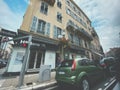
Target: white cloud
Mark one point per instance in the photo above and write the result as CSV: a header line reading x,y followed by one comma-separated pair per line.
x,y
8,19
105,15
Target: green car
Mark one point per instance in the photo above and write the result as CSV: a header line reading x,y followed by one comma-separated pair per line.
x,y
80,72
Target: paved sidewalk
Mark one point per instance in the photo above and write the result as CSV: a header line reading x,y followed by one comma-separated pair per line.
x,y
31,81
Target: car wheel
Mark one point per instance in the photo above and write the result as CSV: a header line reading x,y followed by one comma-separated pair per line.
x,y
84,85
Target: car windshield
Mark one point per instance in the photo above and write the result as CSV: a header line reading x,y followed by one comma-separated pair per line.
x,y
66,63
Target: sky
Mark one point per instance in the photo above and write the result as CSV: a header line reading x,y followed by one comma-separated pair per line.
x,y
104,15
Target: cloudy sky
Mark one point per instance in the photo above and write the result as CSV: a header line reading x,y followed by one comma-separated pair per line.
x,y
105,17
104,14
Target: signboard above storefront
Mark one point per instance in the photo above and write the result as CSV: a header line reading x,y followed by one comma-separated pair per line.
x,y
8,33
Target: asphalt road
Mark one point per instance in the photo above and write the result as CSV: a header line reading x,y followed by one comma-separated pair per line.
x,y
99,85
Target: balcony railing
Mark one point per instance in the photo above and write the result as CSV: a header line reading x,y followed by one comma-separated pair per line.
x,y
74,27
50,2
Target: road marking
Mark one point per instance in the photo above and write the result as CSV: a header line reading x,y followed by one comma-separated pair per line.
x,y
106,88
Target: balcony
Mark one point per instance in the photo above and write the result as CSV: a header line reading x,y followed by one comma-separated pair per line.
x,y
70,25
94,34
73,27
50,2
85,34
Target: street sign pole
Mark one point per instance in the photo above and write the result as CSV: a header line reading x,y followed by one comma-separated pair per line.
x,y
22,73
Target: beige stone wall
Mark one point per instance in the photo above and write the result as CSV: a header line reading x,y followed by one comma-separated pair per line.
x,y
51,17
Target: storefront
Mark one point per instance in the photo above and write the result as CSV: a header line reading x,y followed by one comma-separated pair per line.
x,y
74,51
38,51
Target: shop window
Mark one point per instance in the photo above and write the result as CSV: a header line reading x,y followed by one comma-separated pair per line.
x,y
44,8
35,59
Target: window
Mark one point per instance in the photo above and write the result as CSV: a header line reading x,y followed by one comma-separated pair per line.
x,y
67,63
76,40
86,44
68,11
41,26
71,37
59,4
57,31
74,8
35,59
79,13
44,8
59,17
68,3
47,31
80,41
34,22
84,62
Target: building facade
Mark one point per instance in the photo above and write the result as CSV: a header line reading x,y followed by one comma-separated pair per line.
x,y
61,29
5,46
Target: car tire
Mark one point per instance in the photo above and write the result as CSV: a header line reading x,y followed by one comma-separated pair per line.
x,y
84,84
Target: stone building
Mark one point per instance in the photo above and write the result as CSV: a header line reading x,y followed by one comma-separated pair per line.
x,y
61,29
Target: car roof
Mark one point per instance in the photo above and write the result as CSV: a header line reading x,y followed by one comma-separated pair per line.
x,y
108,58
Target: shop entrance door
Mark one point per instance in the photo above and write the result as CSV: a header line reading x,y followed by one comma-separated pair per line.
x,y
35,59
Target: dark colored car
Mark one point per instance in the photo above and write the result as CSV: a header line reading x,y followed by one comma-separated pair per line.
x,y
3,63
80,72
108,63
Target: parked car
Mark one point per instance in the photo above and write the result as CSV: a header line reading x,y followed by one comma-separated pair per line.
x,y
108,63
80,72
3,63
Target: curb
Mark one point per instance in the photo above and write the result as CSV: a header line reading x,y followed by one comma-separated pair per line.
x,y
40,86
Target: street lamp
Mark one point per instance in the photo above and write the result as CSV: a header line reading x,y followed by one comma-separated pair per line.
x,y
63,43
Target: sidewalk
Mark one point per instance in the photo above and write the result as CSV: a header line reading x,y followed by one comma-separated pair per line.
x,y
31,81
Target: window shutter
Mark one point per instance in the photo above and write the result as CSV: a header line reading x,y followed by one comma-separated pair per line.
x,y
47,30
34,23
55,32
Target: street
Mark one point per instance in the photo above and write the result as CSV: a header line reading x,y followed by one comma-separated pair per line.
x,y
99,85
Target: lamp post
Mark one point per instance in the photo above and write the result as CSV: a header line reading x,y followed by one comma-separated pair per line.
x,y
62,45
63,42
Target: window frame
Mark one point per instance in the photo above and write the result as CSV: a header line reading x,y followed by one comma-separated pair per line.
x,y
59,17
44,8
42,25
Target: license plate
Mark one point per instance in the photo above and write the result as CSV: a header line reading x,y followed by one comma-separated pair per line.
x,y
61,72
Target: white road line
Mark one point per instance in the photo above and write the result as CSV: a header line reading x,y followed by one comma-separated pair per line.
x,y
110,84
